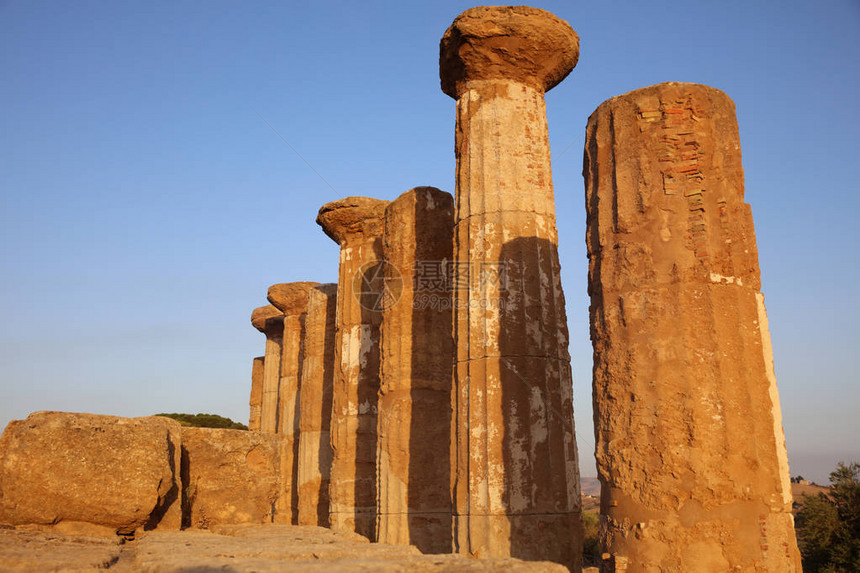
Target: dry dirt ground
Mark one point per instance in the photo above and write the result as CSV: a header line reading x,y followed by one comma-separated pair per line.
x,y
233,549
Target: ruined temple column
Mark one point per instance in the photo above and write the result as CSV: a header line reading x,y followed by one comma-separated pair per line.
x,y
417,354
516,480
292,300
314,459
355,223
690,448
256,397
270,321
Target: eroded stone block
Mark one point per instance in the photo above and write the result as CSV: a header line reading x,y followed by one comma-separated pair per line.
x,y
121,473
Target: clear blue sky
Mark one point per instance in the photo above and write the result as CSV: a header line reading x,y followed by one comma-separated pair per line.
x,y
145,207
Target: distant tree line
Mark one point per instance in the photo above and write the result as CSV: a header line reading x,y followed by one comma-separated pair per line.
x,y
205,421
828,525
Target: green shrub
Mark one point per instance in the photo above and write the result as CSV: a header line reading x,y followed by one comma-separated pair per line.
x,y
205,421
590,546
828,525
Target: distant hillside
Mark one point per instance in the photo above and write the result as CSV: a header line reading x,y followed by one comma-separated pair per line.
x,y
590,486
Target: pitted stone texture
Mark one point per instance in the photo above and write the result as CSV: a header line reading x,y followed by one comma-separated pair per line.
x,y
290,298
270,321
417,349
511,43
690,449
315,453
229,476
121,473
273,548
237,549
256,399
356,223
515,462
50,552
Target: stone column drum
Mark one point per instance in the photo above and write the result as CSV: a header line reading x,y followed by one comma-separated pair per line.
x,y
270,321
292,300
516,479
355,223
256,394
690,448
417,355
315,453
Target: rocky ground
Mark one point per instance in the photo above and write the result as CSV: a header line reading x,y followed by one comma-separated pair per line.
x,y
232,549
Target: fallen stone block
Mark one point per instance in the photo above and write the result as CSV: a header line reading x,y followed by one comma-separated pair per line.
x,y
121,473
229,476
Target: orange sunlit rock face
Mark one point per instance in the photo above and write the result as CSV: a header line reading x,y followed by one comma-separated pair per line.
x,y
690,448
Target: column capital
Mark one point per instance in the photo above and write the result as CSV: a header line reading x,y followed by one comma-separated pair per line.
x,y
290,298
352,217
267,319
513,43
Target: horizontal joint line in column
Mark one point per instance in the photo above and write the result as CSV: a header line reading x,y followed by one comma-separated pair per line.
x,y
503,356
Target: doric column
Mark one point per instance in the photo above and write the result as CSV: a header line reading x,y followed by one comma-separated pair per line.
x,y
314,461
516,476
292,300
270,321
690,449
417,355
256,394
355,223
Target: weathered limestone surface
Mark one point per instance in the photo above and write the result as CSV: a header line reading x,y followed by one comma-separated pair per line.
x,y
237,549
516,480
256,398
229,476
356,224
690,448
270,321
292,300
417,355
120,473
315,453
48,552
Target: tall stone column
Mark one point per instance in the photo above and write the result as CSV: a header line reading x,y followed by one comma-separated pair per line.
x,y
256,397
417,355
270,321
690,448
292,300
355,223
315,453
516,479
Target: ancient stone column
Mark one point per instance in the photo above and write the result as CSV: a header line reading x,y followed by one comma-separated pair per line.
x,y
256,394
315,454
270,321
355,223
292,300
690,448
516,479
417,355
